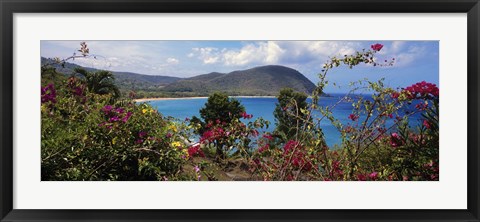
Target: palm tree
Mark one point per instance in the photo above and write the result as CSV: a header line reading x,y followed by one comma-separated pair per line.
x,y
99,82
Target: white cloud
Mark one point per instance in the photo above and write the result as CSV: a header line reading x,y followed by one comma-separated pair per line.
x,y
316,51
262,53
173,61
397,46
208,55
132,56
404,54
210,60
274,52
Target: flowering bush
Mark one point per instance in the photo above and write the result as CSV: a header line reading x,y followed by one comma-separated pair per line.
x,y
86,137
221,127
380,142
49,93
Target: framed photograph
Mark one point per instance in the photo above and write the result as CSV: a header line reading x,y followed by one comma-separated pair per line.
x,y
247,111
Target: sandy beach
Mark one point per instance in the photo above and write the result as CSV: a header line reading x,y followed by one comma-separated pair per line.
x,y
204,97
155,99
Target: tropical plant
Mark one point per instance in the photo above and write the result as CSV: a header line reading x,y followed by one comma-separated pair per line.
x,y
290,102
220,107
100,82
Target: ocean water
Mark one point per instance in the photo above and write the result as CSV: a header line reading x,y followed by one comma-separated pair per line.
x,y
261,107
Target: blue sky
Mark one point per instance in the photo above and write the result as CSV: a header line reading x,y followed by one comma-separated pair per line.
x,y
414,60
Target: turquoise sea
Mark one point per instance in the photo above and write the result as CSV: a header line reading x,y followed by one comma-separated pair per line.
x,y
259,107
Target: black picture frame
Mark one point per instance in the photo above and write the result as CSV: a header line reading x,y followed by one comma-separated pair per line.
x,y
9,7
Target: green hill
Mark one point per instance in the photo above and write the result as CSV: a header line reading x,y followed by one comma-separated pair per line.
x,y
125,80
258,81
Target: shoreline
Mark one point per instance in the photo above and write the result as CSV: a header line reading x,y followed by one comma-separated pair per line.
x,y
199,97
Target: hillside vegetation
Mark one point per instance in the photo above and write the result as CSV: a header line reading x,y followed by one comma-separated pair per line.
x,y
258,81
126,81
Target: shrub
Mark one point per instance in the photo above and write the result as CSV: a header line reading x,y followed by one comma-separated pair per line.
x,y
290,112
86,137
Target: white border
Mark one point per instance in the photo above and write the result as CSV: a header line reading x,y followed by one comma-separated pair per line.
x,y
449,193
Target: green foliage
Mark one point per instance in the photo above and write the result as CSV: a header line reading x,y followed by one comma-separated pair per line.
x,y
87,137
258,81
290,112
100,82
220,107
222,130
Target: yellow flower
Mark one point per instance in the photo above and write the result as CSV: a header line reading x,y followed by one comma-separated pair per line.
x,y
185,152
173,128
144,111
176,144
114,140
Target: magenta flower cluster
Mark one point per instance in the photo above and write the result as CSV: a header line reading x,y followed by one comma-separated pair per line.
x,y
422,90
353,117
298,155
49,94
195,151
77,88
141,137
376,47
365,177
246,116
396,140
114,115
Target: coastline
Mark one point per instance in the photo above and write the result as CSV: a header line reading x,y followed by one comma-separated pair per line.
x,y
199,97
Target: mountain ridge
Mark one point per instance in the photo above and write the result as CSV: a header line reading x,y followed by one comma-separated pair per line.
x,y
262,80
265,80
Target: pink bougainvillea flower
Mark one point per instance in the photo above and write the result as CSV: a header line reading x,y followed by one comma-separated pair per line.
x,y
361,177
422,90
395,95
49,93
263,148
421,106
395,140
106,109
246,116
195,151
426,124
290,145
376,47
254,133
142,134
373,175
119,110
353,117
268,136
126,117
114,119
